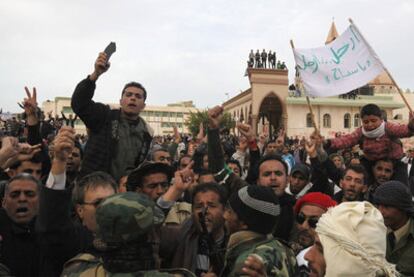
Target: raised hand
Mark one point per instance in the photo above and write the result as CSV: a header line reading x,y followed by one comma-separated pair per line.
x,y
64,143
214,117
246,130
9,150
280,141
200,135
243,144
185,178
30,103
12,152
27,151
177,136
101,66
311,147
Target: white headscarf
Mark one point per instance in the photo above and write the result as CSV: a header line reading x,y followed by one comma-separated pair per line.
x,y
353,236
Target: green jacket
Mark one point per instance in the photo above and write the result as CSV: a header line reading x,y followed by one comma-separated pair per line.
x,y
279,259
403,253
87,265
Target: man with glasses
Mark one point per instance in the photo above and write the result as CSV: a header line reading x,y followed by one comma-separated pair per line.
x,y
61,237
308,210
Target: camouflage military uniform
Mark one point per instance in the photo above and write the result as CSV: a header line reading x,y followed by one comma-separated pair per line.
x,y
278,259
86,265
122,220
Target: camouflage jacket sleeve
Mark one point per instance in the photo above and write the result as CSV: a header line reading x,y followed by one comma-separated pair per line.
x,y
279,260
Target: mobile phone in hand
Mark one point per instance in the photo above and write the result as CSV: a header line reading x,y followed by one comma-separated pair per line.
x,y
109,50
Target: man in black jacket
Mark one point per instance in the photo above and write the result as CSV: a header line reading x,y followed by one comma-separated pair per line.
x,y
118,139
20,250
60,238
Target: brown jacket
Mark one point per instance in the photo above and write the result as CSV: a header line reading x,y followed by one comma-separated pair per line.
x,y
179,247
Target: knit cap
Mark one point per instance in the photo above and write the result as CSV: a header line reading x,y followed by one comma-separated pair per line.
x,y
394,194
258,207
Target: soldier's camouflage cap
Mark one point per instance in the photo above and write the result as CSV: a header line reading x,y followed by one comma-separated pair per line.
x,y
125,217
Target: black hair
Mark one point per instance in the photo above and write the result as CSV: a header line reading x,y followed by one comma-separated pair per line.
x,y
203,172
358,169
270,157
78,145
214,187
37,158
137,176
182,157
137,85
371,109
386,160
237,163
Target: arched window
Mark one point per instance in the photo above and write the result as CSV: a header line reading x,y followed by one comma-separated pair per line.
x,y
309,121
347,121
357,120
327,120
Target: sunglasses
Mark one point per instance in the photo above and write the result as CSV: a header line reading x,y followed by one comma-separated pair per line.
x,y
312,221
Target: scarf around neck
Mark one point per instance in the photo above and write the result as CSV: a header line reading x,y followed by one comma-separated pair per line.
x,y
376,133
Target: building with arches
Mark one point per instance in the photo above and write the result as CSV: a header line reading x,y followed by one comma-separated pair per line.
x,y
270,103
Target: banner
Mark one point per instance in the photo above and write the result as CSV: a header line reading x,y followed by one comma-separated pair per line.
x,y
341,66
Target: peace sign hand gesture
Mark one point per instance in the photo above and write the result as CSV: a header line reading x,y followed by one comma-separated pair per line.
x,y
30,103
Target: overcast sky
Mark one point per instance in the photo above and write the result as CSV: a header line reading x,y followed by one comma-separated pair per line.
x,y
183,49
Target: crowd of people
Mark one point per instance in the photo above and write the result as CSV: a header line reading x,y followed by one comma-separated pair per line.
x,y
122,201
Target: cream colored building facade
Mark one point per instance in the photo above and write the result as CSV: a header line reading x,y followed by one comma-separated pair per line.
x,y
269,105
160,118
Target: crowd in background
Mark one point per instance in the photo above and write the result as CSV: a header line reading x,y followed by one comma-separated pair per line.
x,y
216,203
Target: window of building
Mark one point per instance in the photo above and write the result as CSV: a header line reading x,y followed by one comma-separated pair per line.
x,y
357,120
79,122
327,120
309,121
347,121
67,110
398,117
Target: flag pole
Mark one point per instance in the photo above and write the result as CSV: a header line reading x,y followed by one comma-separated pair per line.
x,y
386,70
307,100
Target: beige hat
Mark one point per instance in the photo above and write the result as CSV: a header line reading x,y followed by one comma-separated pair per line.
x,y
353,236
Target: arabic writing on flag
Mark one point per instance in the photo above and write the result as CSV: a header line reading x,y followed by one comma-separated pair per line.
x,y
343,65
